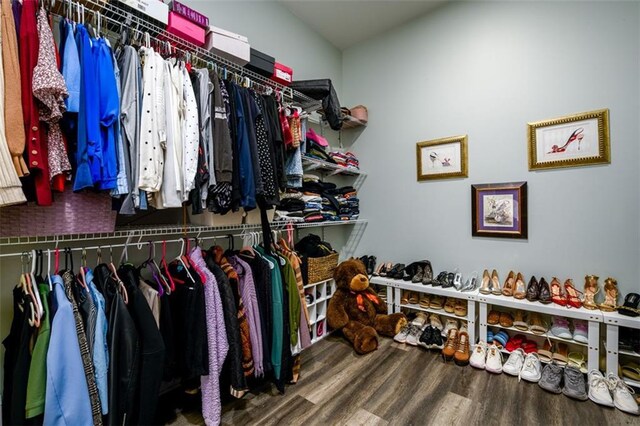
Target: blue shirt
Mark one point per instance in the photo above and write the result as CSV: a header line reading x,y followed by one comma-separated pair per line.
x,y
67,394
109,109
100,348
70,67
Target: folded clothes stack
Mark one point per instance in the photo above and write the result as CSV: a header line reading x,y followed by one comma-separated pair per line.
x,y
318,202
346,159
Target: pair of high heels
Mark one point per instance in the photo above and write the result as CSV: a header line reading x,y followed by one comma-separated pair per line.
x,y
569,297
538,291
514,286
490,283
591,289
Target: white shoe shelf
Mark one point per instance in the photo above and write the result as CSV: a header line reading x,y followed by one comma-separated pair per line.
x,y
394,296
322,292
593,317
613,321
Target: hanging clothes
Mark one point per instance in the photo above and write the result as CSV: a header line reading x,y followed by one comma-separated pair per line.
x,y
12,108
36,385
172,181
67,391
100,349
108,113
50,89
191,132
36,148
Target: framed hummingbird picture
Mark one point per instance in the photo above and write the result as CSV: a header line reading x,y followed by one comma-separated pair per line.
x,y
442,158
575,140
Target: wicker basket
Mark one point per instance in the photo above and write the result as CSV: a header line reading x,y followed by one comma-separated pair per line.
x,y
316,269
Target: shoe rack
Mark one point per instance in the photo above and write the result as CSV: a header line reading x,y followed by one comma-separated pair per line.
x,y
502,303
394,297
322,292
613,321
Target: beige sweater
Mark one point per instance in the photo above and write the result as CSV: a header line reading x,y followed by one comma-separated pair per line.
x,y
14,121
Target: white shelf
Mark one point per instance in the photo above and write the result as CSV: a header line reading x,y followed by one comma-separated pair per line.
x,y
621,320
631,382
545,335
317,320
318,283
549,309
315,302
429,289
628,353
434,311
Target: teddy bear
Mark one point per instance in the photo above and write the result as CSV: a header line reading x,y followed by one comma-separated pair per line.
x,y
356,309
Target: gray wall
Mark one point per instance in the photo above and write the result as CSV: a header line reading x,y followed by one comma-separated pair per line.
x,y
272,29
486,69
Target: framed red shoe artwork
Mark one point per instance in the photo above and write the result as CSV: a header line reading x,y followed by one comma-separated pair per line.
x,y
575,140
499,210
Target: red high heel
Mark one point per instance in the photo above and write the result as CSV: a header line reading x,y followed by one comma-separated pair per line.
x,y
572,295
577,135
556,293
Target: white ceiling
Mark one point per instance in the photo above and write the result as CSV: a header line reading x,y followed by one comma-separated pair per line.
x,y
345,23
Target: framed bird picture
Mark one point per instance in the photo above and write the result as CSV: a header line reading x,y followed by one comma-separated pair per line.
x,y
575,140
442,158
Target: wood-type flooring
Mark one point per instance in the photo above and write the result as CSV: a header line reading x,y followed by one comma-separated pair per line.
x,y
404,385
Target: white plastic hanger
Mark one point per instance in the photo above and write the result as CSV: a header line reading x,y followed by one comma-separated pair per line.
x,y
49,269
34,286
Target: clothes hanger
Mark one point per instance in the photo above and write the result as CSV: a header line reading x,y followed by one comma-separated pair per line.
x,y
49,269
26,288
163,263
83,265
34,284
160,277
181,258
114,275
150,267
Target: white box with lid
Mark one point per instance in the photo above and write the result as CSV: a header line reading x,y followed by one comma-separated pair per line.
x,y
229,45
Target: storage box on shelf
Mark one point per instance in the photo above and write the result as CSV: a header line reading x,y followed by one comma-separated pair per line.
x,y
613,321
322,292
593,318
395,288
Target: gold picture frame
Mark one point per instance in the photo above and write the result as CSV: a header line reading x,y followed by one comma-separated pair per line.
x,y
570,141
443,158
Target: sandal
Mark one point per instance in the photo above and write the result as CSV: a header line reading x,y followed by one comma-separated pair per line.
x,y
631,371
556,293
519,322
545,293
572,294
536,324
376,273
437,302
577,360
413,298
495,283
546,353
509,285
442,277
610,295
450,305
404,300
506,320
520,290
514,343
460,308
630,306
561,353
591,288
493,318
386,268
500,339
427,273
425,300
486,279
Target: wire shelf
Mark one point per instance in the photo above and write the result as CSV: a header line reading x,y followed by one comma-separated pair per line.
x,y
143,232
311,163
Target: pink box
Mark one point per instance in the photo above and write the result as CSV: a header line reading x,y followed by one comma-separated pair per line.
x,y
184,28
282,74
192,15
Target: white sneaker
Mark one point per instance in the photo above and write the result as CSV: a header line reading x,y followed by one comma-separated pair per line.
x,y
532,368
463,327
414,335
622,398
434,320
420,320
401,337
479,355
599,389
494,360
449,324
515,362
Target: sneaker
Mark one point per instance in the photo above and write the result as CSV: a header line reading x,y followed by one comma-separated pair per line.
x,y
479,355
599,389
574,384
420,320
560,328
622,395
449,325
515,362
401,337
463,327
532,369
551,378
426,337
493,363
451,346
461,357
414,335
580,331
437,342
434,320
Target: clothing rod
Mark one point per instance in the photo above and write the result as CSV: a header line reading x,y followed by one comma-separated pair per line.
x,y
140,244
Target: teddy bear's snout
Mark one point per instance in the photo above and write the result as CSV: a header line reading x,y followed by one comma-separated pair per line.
x,y
359,282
